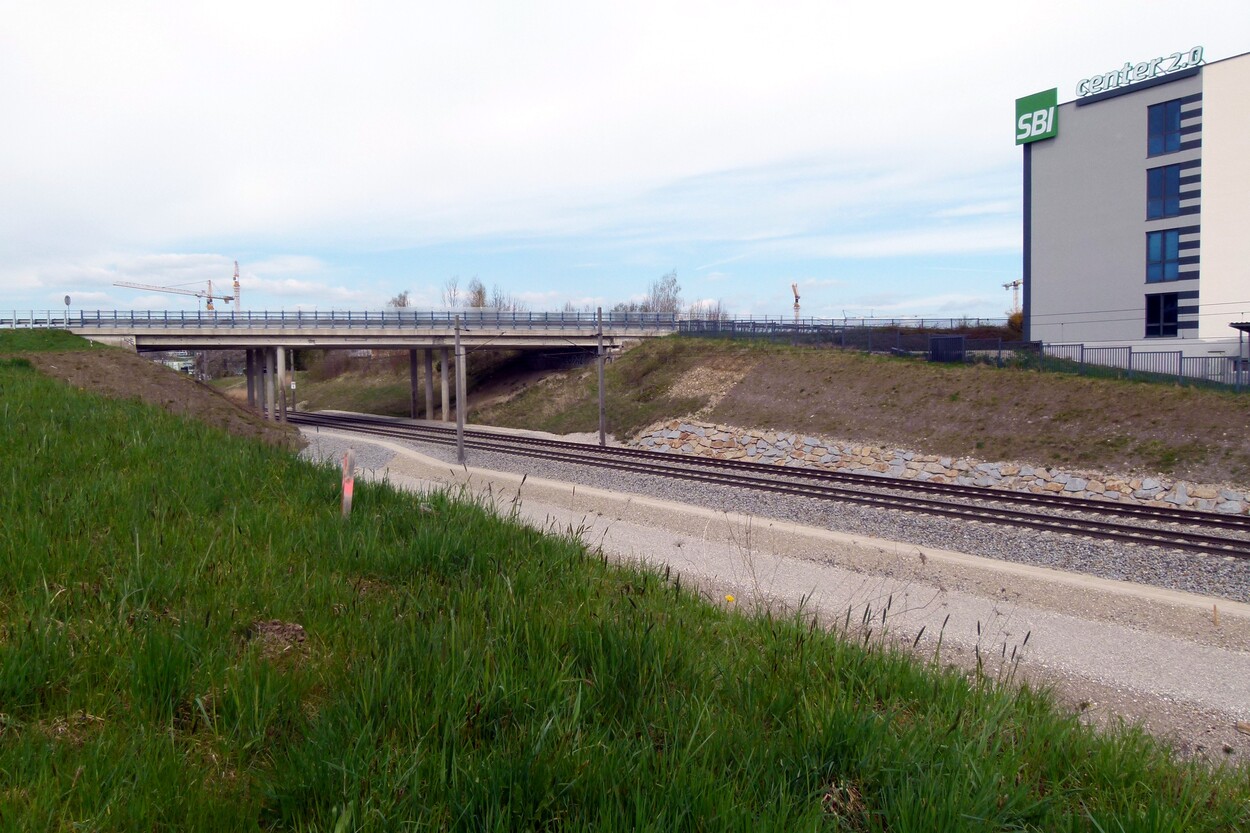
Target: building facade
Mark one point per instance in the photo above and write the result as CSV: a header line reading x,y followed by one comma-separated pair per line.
x,y
1137,210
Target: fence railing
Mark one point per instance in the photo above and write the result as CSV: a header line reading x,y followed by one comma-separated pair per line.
x,y
350,319
1159,365
773,325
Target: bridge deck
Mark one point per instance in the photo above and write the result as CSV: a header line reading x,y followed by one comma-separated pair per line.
x,y
383,329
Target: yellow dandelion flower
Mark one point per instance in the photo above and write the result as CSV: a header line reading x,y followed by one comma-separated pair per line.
x,y
729,598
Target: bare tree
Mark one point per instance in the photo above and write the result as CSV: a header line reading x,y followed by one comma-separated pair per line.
x,y
476,297
709,311
400,301
664,295
451,292
504,302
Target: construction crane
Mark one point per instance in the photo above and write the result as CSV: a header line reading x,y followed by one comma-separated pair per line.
x,y
208,295
1014,286
794,287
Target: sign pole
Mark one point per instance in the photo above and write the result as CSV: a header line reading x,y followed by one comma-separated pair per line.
x,y
459,398
603,419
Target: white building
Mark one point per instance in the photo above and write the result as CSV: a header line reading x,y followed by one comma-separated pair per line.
x,y
1137,207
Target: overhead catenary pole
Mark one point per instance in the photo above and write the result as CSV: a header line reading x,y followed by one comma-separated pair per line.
x,y
603,419
459,397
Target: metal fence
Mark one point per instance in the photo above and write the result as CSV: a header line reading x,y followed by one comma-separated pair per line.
x,y
396,318
1149,365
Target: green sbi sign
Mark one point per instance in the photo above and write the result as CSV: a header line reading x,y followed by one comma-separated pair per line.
x,y
1037,116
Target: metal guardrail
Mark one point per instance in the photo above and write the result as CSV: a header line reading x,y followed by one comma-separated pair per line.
x,y
351,320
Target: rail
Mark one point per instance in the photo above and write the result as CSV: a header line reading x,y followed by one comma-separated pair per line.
x,y
350,319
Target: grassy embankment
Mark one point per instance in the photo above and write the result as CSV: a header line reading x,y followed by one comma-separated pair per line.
x,y
460,672
1010,413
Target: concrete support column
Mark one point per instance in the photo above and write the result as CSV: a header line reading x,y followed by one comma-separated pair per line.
x,y
462,386
281,353
429,382
412,382
262,375
444,360
251,378
271,365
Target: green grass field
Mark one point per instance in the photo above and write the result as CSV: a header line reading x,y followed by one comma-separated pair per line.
x,y
461,672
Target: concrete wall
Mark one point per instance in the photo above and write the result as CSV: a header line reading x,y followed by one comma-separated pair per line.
x,y
1088,201
1225,196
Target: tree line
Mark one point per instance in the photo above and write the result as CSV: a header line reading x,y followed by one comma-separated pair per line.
x,y
663,295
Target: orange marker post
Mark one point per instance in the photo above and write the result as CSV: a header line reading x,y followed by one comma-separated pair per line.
x,y
349,480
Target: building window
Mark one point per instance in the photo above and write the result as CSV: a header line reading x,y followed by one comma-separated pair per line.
x,y
1161,313
1163,192
1163,255
1163,128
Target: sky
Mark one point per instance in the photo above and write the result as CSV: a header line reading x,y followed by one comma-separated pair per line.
x,y
563,152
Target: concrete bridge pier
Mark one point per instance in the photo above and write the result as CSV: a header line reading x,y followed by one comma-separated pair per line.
x,y
429,382
444,361
260,374
251,378
271,365
280,352
414,377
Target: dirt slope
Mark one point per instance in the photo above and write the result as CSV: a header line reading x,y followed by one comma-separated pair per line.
x,y
122,374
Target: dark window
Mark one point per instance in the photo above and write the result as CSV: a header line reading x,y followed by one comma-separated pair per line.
x,y
1163,255
1163,192
1163,128
1161,311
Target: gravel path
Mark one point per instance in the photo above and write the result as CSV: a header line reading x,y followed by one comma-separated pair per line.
x,y
1218,576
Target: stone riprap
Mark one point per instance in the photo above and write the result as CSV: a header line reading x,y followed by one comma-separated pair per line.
x,y
785,449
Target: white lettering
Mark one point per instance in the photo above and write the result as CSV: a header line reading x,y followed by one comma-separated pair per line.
x,y
1131,73
1025,127
1036,123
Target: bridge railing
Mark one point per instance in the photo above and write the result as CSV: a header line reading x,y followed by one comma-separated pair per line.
x,y
349,319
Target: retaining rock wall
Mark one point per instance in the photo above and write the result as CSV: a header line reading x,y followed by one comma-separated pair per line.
x,y
784,449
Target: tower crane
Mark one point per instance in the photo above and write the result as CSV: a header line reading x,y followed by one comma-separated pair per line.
x,y
794,287
208,295
1014,286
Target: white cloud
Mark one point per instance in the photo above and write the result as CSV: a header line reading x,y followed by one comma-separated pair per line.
x,y
301,135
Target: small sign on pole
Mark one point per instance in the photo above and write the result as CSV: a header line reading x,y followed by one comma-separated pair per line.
x,y
349,480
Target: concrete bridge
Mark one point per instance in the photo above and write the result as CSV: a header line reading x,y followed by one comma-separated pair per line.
x,y
268,336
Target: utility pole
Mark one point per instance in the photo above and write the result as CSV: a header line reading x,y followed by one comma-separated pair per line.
x,y
603,419
459,397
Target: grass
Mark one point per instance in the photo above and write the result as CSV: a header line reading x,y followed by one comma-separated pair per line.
x,y
20,341
461,672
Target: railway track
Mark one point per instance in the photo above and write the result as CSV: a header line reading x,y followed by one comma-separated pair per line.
x,y
1207,533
